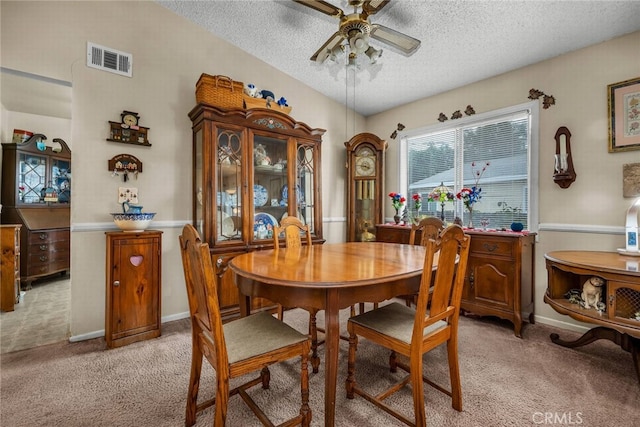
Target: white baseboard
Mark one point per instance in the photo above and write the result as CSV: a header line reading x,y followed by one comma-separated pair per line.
x,y
561,324
100,333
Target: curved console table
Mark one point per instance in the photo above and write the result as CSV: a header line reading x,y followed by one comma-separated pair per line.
x,y
619,321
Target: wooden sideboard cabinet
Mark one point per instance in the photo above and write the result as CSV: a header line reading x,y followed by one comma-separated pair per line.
x,y
133,286
36,193
500,272
10,268
251,168
619,321
500,276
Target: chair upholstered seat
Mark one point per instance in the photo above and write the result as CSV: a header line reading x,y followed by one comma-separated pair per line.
x,y
414,332
256,335
236,348
395,321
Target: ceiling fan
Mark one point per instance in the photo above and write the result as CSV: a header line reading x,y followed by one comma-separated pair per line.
x,y
356,29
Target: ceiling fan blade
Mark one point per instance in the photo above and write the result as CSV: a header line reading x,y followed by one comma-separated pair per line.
x,y
371,7
325,51
404,43
323,7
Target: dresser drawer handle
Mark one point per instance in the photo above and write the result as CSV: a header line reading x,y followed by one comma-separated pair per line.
x,y
42,236
489,247
44,247
43,258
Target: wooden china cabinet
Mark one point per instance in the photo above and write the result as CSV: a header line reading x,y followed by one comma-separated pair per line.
x,y
36,194
251,168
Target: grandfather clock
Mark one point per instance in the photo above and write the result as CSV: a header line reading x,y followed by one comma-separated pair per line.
x,y
365,186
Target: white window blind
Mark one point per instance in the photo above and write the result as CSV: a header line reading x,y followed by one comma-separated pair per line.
x,y
455,153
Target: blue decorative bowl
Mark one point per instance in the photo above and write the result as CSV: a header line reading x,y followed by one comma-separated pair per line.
x,y
516,226
132,221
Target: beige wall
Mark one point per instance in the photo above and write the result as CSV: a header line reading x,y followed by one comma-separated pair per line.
x,y
590,214
169,54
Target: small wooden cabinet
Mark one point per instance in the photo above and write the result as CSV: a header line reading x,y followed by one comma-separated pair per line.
x,y
500,276
10,268
36,193
500,273
133,287
251,168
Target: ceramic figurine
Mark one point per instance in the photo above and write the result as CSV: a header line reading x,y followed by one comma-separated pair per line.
x,y
251,90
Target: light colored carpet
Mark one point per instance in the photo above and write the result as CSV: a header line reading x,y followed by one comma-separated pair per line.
x,y
42,318
506,381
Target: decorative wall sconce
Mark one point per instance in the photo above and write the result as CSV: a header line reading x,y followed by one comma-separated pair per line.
x,y
564,174
125,164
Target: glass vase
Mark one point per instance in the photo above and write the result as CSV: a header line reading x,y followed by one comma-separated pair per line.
x,y
470,222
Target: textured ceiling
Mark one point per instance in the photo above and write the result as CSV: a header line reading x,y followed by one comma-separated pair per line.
x,y
462,41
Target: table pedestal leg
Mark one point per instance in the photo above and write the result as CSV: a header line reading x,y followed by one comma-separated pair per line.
x,y
625,341
332,343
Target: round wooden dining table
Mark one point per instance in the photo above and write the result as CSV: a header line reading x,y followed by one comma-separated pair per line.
x,y
329,277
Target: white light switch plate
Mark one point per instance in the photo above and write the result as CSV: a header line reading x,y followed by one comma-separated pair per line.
x,y
128,194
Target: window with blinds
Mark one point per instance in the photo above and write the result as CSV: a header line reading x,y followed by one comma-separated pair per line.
x,y
492,151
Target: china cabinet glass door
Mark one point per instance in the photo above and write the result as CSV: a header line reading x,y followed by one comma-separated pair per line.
x,y
270,191
32,178
228,185
61,179
305,183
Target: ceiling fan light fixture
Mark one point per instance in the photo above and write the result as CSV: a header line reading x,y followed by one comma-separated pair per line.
x,y
359,43
373,54
352,63
335,53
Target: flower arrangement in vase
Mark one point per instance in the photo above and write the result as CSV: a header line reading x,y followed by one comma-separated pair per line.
x,y
470,196
397,200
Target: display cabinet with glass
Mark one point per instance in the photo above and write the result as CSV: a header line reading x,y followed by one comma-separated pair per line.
x,y
36,193
252,168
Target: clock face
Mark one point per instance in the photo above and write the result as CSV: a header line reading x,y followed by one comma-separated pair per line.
x,y
365,166
130,119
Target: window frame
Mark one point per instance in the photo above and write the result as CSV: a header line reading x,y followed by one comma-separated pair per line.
x,y
532,189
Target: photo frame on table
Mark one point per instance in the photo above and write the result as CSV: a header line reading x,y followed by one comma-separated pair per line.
x,y
624,115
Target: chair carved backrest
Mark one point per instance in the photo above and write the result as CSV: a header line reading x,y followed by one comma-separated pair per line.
x,y
430,228
452,250
292,228
201,282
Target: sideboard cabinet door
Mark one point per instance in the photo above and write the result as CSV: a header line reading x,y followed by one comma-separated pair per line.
x,y
133,287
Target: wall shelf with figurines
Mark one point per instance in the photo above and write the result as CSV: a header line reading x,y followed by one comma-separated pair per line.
x,y
128,130
125,165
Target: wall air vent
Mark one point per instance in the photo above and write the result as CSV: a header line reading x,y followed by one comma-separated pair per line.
x,y
107,59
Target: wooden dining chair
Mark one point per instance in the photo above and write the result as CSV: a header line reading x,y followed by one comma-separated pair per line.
x,y
429,228
236,348
413,332
294,230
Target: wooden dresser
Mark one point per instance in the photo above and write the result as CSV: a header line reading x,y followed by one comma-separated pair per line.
x,y
10,268
36,193
500,273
